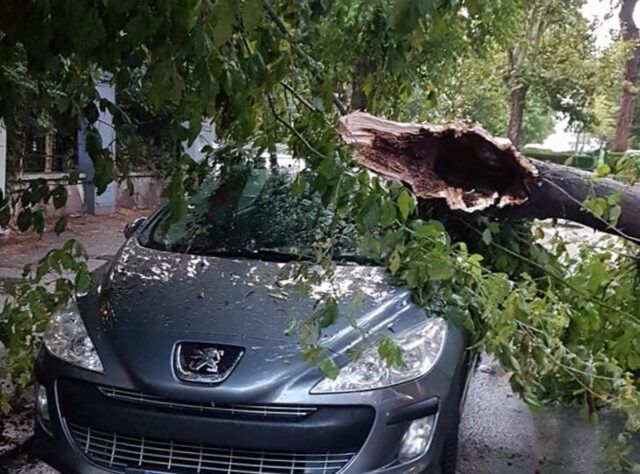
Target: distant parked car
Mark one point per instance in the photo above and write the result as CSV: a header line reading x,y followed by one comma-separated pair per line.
x,y
178,360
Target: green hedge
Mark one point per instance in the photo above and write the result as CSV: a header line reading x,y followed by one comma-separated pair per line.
x,y
579,160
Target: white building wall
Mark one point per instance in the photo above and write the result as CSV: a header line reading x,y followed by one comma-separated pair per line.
x,y
207,137
105,203
3,158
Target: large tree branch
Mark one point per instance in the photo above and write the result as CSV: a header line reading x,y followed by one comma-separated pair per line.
x,y
474,172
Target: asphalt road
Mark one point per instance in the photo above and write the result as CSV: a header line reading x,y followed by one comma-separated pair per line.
x,y
500,435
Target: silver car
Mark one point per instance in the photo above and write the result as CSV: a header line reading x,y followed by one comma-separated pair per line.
x,y
182,359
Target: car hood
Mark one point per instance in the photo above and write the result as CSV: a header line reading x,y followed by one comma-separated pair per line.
x,y
150,300
149,289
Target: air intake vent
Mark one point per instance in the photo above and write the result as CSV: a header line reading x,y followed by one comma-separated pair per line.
x,y
253,410
113,450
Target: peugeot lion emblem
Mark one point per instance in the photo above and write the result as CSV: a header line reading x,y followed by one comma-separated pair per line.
x,y
204,362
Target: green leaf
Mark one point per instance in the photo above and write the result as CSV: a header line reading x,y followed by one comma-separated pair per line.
x,y
93,144
25,198
190,12
298,184
224,22
103,174
83,281
60,225
406,203
370,213
176,85
614,198
532,402
387,213
614,214
390,352
598,206
24,220
440,267
603,170
329,368
252,12
404,16
367,85
487,237
37,221
328,313
177,207
59,195
394,262
431,100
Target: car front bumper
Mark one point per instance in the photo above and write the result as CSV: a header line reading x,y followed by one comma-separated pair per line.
x,y
362,432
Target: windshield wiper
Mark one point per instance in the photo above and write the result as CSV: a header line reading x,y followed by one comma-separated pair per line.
x,y
357,259
271,255
268,255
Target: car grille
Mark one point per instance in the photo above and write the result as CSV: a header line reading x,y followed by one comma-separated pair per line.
x,y
261,410
115,450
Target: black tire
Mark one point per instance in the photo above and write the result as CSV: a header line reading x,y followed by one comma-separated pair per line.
x,y
449,457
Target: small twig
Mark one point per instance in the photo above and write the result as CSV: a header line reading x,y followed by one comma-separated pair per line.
x,y
276,18
292,129
285,31
339,104
295,93
558,278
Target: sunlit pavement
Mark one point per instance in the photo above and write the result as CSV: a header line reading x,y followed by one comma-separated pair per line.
x,y
500,435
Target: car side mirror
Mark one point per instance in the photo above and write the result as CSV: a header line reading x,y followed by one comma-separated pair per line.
x,y
132,226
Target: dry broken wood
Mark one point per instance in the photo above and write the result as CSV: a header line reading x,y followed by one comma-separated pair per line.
x,y
471,171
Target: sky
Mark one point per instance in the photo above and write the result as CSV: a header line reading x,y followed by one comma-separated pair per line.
x,y
605,14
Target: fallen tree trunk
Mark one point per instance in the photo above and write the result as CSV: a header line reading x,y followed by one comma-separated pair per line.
x,y
476,173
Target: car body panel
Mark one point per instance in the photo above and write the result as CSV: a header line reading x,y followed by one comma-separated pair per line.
x,y
149,300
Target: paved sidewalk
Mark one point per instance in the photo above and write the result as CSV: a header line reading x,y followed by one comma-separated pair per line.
x,y
101,236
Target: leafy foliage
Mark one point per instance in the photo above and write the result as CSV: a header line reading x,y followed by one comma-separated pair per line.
x,y
59,276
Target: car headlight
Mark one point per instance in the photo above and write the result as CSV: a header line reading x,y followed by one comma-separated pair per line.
x,y
66,337
421,345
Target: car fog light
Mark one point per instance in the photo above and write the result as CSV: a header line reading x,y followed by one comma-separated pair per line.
x,y
42,403
416,440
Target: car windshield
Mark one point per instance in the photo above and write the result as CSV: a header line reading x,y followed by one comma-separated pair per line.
x,y
256,213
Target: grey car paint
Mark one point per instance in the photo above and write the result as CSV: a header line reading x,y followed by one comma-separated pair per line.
x,y
158,298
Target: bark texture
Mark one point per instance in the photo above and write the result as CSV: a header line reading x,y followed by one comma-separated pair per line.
x,y
359,100
522,59
516,112
629,92
471,171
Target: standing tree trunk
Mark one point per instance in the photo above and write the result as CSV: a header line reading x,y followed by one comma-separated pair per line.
x,y
522,59
516,112
629,93
359,99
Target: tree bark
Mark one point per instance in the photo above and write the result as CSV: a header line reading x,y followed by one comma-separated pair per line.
x,y
563,189
522,59
359,100
629,92
516,112
473,172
